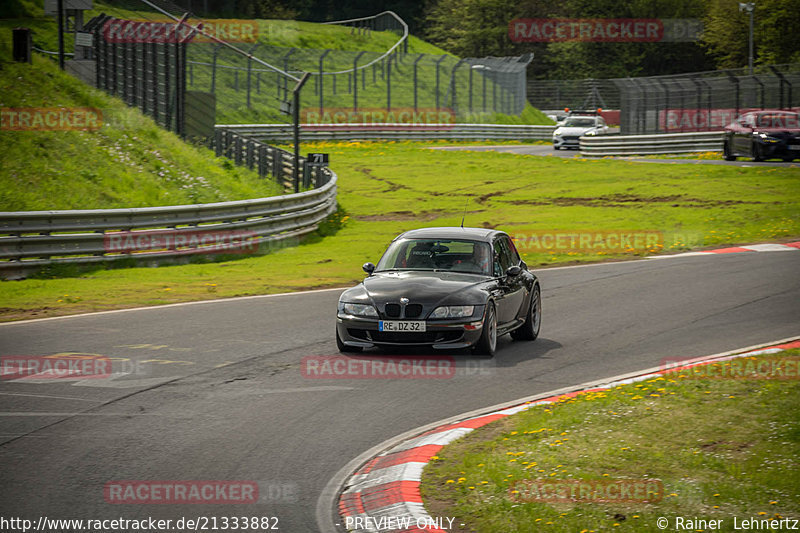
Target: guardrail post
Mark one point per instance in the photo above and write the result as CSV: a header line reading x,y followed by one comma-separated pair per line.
x,y
306,174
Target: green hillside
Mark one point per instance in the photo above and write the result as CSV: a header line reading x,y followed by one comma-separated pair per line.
x,y
128,162
306,42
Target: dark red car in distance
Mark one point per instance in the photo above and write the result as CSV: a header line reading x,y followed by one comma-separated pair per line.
x,y
765,134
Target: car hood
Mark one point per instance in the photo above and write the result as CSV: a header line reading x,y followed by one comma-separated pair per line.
x,y
422,287
574,130
778,132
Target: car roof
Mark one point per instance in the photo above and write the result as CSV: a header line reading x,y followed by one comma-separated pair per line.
x,y
474,234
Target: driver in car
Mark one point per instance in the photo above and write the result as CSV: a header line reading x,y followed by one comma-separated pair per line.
x,y
478,262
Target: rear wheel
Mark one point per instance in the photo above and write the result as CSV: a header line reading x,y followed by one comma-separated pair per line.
x,y
345,348
530,329
726,152
487,344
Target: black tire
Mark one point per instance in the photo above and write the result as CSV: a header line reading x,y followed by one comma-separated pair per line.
x,y
788,159
726,152
556,147
343,348
487,344
756,151
533,321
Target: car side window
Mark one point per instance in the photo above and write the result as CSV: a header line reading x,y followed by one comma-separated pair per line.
x,y
503,255
512,249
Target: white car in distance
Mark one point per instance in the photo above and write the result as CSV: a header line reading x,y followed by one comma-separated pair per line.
x,y
568,132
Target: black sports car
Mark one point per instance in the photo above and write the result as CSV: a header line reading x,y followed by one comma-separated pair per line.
x,y
765,134
447,288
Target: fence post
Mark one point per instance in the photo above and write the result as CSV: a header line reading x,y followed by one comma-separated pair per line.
x,y
438,62
250,71
453,84
415,79
214,68
321,78
355,80
389,85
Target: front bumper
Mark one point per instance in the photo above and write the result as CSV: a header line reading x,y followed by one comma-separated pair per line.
x,y
440,334
566,141
780,149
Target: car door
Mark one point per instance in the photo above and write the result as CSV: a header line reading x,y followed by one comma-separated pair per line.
x,y
512,287
742,135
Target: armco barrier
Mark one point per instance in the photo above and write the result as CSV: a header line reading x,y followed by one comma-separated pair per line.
x,y
30,240
392,132
666,143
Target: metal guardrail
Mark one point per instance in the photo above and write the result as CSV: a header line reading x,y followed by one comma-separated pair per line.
x,y
667,143
406,132
268,161
30,240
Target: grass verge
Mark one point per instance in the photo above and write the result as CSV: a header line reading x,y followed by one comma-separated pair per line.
x,y
387,188
721,448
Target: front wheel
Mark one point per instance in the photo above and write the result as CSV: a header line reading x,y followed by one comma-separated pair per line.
x,y
533,321
556,147
487,344
726,152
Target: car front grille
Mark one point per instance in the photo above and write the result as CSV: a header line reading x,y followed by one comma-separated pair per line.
x,y
404,337
396,311
392,310
413,310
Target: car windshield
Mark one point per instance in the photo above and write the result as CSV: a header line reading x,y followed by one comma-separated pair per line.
x,y
580,122
778,120
454,255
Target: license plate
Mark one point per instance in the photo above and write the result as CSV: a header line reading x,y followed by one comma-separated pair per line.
x,y
401,325
794,147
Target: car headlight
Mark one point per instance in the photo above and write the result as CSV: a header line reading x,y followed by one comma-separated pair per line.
x,y
590,133
768,138
453,311
557,133
364,310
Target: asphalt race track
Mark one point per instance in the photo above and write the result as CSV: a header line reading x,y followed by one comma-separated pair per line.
x,y
216,391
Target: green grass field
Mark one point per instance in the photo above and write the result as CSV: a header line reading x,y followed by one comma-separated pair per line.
x,y
387,188
721,448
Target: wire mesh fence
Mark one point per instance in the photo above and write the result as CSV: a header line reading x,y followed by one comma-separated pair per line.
x,y
573,94
705,101
192,73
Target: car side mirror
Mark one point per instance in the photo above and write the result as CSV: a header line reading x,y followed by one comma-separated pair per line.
x,y
513,271
369,268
